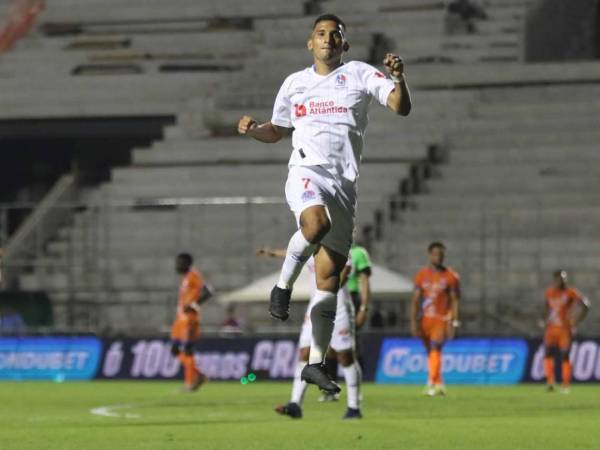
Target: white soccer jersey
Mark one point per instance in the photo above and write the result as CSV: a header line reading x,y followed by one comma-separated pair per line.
x,y
329,114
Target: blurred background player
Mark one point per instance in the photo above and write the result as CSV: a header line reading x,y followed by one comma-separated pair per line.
x,y
327,120
359,288
186,327
565,308
343,343
436,296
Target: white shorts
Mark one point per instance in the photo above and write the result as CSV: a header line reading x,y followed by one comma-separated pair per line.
x,y
342,338
308,186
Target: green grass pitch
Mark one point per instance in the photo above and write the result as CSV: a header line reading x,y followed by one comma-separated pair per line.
x,y
154,415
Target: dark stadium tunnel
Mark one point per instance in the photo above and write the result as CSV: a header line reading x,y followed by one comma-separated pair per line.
x,y
35,153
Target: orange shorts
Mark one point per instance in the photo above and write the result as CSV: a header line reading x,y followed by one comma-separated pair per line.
x,y
186,328
557,337
433,329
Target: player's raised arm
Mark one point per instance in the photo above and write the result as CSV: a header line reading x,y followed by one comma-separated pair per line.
x,y
399,99
265,132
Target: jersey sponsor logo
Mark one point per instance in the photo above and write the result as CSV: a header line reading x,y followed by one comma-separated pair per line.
x,y
326,107
473,361
299,110
308,195
340,80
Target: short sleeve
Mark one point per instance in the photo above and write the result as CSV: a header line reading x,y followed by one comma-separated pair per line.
x,y
418,281
376,83
360,260
282,109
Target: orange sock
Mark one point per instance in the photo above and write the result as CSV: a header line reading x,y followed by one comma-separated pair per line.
x,y
190,372
566,373
549,369
435,367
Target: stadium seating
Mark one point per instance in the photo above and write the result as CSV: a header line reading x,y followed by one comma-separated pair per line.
x,y
514,199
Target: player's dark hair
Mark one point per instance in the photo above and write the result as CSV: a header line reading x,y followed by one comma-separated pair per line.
x,y
186,257
436,244
340,23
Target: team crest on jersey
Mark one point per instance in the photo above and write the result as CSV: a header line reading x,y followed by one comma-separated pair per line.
x,y
340,80
300,110
308,195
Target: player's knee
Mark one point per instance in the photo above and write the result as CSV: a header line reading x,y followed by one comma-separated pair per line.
x,y
345,358
548,352
315,226
303,354
564,355
435,345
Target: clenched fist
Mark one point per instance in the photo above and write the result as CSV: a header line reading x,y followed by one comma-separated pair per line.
x,y
246,124
394,65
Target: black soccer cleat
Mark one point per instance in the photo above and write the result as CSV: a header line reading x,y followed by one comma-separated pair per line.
x,y
279,307
317,374
352,413
292,410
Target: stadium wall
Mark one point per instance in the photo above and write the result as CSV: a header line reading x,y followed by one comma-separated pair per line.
x,y
386,359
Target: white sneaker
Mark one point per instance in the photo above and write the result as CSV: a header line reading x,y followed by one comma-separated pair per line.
x,y
429,390
440,389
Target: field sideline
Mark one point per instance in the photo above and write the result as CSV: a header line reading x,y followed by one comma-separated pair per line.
x,y
154,415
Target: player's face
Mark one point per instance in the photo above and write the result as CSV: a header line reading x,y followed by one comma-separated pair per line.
x,y
560,281
436,256
326,42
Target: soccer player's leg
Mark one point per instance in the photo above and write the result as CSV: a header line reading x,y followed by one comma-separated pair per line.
x,y
193,377
551,343
305,197
343,342
293,409
564,346
435,358
328,266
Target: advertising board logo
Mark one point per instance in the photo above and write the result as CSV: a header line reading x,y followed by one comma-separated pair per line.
x,y
472,361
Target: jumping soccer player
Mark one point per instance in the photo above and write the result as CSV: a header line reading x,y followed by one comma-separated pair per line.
x,y
436,296
565,308
343,341
324,107
185,331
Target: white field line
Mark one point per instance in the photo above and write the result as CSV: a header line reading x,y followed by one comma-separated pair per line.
x,y
111,411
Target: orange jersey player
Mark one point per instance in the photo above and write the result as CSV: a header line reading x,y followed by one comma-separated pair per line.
x,y
565,308
435,300
186,327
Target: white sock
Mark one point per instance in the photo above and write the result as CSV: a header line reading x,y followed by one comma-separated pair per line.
x,y
322,316
299,251
299,386
353,376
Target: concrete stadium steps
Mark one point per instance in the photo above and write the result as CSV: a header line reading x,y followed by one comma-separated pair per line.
x,y
139,10
542,156
185,151
231,180
516,185
476,201
106,96
552,221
